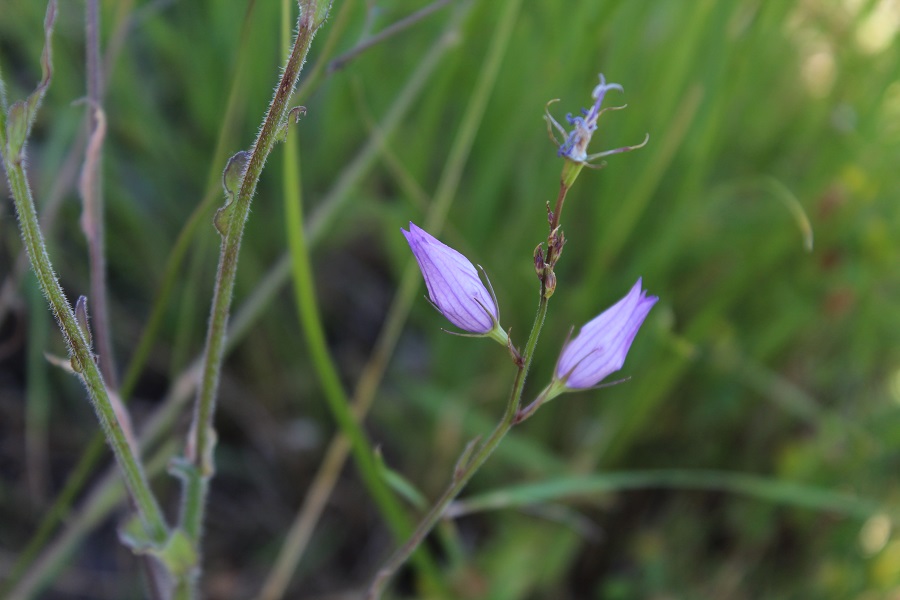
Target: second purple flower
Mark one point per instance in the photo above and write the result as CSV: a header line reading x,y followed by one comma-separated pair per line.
x,y
454,286
600,347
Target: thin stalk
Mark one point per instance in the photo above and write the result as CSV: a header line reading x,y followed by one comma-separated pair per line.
x,y
92,222
470,466
341,61
80,353
187,235
94,451
80,474
202,437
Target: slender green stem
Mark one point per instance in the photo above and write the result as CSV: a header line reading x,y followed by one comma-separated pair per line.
x,y
470,466
188,233
80,352
90,187
202,437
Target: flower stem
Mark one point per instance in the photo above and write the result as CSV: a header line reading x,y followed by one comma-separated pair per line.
x,y
202,437
80,354
470,466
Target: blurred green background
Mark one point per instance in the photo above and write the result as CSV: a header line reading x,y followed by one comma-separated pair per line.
x,y
764,357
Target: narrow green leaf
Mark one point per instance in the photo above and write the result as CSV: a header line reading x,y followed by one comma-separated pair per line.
x,y
782,492
400,484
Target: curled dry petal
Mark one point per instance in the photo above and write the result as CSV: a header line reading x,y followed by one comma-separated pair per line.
x,y
576,143
600,347
453,283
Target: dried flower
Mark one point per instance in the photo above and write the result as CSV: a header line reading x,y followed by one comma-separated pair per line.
x,y
454,287
600,347
575,144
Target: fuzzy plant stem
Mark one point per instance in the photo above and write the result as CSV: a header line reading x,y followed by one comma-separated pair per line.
x,y
81,357
199,467
13,136
469,462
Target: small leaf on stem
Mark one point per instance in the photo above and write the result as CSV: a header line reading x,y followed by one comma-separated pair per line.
x,y
232,177
292,117
81,315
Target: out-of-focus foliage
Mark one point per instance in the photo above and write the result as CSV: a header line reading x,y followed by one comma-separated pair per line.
x,y
762,356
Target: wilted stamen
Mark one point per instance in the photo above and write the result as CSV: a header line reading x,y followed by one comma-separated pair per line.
x,y
575,144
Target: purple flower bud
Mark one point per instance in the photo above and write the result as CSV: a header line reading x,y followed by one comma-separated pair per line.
x,y
600,347
453,284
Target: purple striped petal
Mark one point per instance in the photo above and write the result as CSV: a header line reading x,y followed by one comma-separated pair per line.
x,y
601,345
453,283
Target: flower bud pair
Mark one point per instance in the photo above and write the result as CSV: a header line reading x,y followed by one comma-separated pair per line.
x,y
455,289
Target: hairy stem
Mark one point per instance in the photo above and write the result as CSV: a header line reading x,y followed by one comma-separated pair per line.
x,y
202,437
80,352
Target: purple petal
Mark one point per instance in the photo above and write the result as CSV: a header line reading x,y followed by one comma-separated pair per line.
x,y
602,344
453,283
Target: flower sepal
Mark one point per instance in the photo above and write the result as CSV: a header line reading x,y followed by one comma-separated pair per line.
x,y
570,172
496,333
